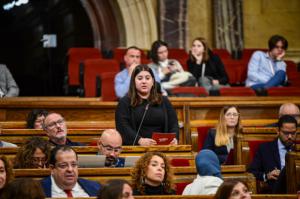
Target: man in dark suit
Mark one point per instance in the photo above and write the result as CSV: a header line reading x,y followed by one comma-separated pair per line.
x,y
64,181
269,159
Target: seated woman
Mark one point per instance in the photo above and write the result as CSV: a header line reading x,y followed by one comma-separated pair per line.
x,y
209,176
115,189
36,118
170,71
23,188
220,140
33,154
144,111
6,174
152,175
233,189
205,66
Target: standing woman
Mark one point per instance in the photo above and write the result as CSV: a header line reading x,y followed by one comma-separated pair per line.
x,y
144,111
6,174
152,175
205,66
220,140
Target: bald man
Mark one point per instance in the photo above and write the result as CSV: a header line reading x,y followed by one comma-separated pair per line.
x,y
290,109
110,145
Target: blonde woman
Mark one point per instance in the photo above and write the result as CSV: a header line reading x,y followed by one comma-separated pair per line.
x,y
220,139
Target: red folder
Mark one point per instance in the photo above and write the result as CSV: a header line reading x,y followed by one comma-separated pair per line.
x,y
163,138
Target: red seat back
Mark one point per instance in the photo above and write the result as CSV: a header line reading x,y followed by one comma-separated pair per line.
x,y
177,53
222,53
77,56
237,91
108,86
180,162
253,146
202,134
197,91
284,91
180,186
94,68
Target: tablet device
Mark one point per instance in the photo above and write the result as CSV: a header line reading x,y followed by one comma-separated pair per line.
x,y
131,160
163,138
91,161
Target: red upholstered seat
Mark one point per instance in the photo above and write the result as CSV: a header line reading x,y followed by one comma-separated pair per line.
x,y
108,86
253,146
94,68
75,57
202,134
284,91
237,91
222,53
236,70
180,187
197,91
177,53
247,52
180,162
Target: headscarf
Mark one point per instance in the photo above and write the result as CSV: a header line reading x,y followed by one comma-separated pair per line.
x,y
207,164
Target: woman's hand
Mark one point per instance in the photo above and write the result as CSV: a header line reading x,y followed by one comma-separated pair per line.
x,y
146,142
174,142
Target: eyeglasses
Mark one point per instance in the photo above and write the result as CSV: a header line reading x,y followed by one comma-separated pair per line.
x,y
287,133
232,114
111,149
65,165
52,125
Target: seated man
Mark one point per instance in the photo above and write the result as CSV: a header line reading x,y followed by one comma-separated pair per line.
x,y
8,86
269,159
56,130
132,58
64,181
110,145
268,69
288,109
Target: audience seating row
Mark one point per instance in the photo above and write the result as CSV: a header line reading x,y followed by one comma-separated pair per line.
x,y
88,70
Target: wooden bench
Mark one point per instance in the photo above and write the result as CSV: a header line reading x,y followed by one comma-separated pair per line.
x,y
253,196
181,174
178,151
293,171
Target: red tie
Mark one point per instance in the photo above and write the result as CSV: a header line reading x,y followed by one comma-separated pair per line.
x,y
69,193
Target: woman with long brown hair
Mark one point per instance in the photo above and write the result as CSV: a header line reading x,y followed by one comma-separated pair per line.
x,y
205,66
144,111
6,174
152,175
220,139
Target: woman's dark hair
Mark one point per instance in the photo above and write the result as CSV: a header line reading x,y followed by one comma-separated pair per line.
x,y
154,97
224,191
154,48
276,38
25,153
206,50
33,115
113,189
8,170
23,188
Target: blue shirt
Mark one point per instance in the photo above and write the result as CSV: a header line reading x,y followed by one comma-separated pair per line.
x,y
259,68
122,82
282,152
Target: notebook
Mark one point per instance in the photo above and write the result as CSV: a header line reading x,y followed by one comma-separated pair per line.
x,y
163,138
131,160
91,161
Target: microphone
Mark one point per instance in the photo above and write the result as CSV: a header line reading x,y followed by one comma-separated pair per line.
x,y
138,131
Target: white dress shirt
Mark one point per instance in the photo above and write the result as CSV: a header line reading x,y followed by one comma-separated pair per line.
x,y
57,192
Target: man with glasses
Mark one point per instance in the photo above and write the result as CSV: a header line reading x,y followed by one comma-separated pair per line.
x,y
110,145
269,159
267,69
56,130
63,181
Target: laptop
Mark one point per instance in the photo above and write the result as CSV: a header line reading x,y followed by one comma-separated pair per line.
x,y
91,161
131,160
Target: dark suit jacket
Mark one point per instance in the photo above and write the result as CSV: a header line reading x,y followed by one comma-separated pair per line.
x,y
265,160
221,151
90,187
